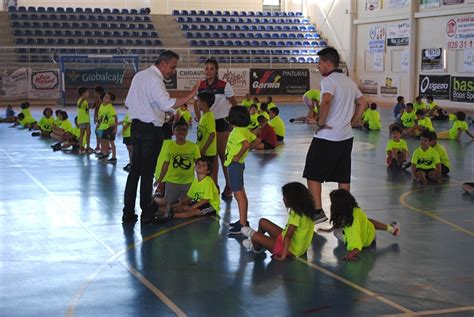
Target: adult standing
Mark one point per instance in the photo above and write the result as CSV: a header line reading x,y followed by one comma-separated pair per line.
x,y
225,99
148,100
329,156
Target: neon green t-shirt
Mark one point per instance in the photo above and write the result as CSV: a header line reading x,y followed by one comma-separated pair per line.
x,y
206,126
458,124
205,189
313,94
185,114
443,155
106,116
452,118
26,112
27,120
303,234
181,160
425,159
419,106
253,121
426,122
126,130
372,117
361,233
408,119
83,111
399,146
57,122
76,132
234,144
247,103
66,125
271,105
432,105
265,114
46,124
278,125
161,160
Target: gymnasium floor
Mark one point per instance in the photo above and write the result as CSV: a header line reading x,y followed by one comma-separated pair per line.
x,y
64,250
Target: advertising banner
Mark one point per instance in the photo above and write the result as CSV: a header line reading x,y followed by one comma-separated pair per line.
x,y
390,86
279,81
187,77
468,63
431,59
397,4
15,84
429,4
377,38
462,89
369,85
437,86
93,77
398,34
460,32
237,77
43,84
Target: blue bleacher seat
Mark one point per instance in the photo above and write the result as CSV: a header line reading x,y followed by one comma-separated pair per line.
x,y
192,12
250,13
138,42
106,11
201,12
12,9
277,28
229,43
210,13
202,43
226,13
249,35
20,41
24,16
284,59
234,13
175,12
184,12
133,11
31,9
275,35
14,16
322,43
266,35
21,9
124,11
180,20
300,36
258,35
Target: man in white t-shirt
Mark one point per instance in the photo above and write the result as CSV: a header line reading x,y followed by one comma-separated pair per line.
x,y
329,156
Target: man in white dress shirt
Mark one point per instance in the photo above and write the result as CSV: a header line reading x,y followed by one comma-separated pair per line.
x,y
148,100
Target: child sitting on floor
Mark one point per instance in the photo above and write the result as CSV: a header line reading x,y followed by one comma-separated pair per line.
x,y
397,150
46,123
459,126
443,155
425,162
372,118
202,198
9,115
277,124
265,134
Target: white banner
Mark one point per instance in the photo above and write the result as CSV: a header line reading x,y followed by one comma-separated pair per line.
x,y
397,4
237,77
43,84
377,62
468,64
377,38
404,60
389,86
369,85
398,34
372,5
429,4
460,32
14,85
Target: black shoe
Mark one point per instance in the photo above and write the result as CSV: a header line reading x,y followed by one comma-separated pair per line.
x,y
233,224
130,218
57,147
292,120
127,168
164,219
36,134
319,216
112,160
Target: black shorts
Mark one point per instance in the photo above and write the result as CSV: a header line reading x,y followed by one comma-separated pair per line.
x,y
426,170
222,125
206,209
109,134
444,169
267,146
280,138
127,140
329,161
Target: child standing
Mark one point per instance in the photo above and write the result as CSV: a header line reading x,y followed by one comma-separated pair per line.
x,y
184,114
238,145
202,198
296,238
178,168
459,126
443,155
397,150
206,130
277,123
107,127
98,91
425,162
84,121
351,225
372,118
266,135
127,140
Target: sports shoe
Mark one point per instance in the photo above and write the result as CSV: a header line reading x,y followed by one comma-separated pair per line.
x,y
250,247
236,229
127,168
319,216
233,224
396,228
405,165
129,218
227,193
112,160
36,134
247,231
292,120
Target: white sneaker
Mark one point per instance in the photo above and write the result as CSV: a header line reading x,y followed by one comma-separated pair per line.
x,y
396,228
247,231
249,246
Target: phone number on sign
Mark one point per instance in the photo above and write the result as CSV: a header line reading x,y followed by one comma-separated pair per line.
x,y
460,44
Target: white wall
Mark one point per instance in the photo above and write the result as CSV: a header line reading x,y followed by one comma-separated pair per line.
x,y
167,6
132,4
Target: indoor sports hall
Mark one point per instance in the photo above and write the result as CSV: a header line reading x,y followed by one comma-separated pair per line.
x,y
64,248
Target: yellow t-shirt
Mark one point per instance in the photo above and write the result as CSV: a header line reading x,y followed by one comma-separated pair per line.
x,y
361,233
247,103
443,155
399,146
372,117
408,119
426,122
234,144
313,94
185,114
46,124
206,126
57,122
278,125
76,132
161,160
205,189
181,160
265,114
271,105
419,106
253,121
452,118
83,111
127,130
425,159
432,105
106,116
27,120
66,125
303,234
26,112
458,124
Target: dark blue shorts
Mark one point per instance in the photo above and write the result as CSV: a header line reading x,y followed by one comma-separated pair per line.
x,y
236,175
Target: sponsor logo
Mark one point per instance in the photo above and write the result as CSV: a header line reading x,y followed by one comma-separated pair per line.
x,y
451,28
426,85
432,52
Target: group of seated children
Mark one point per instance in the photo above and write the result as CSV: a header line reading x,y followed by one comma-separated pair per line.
x,y
430,109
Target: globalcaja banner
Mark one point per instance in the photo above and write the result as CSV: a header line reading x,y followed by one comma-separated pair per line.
x,y
279,81
91,77
462,89
437,86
